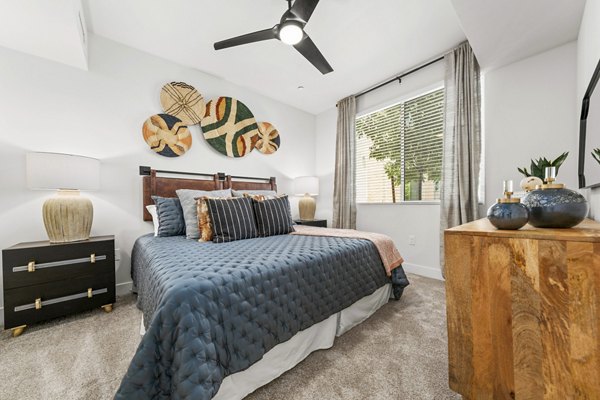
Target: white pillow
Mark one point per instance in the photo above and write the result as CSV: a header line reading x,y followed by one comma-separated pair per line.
x,y
152,210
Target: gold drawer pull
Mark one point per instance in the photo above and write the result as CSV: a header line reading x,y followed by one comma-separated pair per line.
x,y
48,302
34,266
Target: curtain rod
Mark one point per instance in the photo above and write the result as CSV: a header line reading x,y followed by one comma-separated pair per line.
x,y
400,76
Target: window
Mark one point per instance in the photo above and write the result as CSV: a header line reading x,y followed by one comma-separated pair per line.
x,y
399,151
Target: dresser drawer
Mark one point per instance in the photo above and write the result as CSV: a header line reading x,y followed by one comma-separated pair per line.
x,y
56,299
30,265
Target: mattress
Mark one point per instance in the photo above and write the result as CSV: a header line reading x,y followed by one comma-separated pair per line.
x,y
212,310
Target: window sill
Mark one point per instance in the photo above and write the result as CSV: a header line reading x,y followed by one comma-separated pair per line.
x,y
402,203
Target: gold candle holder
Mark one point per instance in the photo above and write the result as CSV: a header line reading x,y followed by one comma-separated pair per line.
x,y
507,187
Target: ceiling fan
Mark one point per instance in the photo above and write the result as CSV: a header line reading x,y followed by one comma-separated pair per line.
x,y
290,30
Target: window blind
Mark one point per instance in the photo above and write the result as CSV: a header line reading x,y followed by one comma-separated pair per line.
x,y
399,151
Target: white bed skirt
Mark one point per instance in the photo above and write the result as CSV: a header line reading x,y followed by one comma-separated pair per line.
x,y
287,355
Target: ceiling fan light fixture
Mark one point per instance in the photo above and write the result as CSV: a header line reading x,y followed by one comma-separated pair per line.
x,y
291,33
289,30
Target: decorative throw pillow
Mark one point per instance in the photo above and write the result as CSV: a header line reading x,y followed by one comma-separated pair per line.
x,y
152,210
273,216
170,216
231,219
204,224
241,193
260,197
190,212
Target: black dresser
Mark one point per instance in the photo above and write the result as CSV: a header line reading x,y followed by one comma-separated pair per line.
x,y
44,280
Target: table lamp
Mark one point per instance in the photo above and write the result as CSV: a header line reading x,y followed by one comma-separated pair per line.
x,y
307,186
67,216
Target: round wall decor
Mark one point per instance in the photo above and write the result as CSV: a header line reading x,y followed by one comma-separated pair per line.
x,y
268,138
229,127
167,135
182,101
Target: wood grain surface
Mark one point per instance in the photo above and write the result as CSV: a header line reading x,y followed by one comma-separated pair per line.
x,y
458,299
523,312
587,231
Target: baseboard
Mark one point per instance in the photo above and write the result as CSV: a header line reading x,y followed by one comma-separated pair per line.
x,y
124,288
428,272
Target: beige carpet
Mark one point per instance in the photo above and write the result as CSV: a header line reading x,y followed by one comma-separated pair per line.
x,y
399,353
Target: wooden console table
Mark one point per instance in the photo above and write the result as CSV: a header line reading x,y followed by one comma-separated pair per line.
x,y
523,311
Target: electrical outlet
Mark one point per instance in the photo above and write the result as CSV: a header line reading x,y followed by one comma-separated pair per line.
x,y
117,255
412,240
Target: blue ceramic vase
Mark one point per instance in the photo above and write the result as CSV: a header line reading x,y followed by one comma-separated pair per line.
x,y
555,207
510,216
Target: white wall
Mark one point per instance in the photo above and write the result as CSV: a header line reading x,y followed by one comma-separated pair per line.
x,y
48,106
588,54
530,111
396,220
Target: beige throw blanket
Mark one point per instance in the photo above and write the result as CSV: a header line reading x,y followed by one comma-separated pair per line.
x,y
390,256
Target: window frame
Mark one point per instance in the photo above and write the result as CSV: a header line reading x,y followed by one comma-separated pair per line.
x,y
381,106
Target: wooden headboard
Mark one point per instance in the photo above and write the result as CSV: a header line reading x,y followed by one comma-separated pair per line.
x,y
249,183
154,185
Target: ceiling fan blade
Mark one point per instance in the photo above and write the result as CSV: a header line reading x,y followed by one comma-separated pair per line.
x,y
309,50
259,36
303,9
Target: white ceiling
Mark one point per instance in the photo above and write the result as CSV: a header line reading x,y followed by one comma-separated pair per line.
x,y
502,32
364,41
48,29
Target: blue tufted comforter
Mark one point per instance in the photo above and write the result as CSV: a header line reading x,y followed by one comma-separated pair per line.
x,y
215,309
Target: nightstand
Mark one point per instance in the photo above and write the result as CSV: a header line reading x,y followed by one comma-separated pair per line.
x,y
314,222
44,280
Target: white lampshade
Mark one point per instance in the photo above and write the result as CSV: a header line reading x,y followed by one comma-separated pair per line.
x,y
62,171
306,184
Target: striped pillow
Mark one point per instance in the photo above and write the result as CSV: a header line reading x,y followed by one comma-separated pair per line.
x,y
273,216
232,219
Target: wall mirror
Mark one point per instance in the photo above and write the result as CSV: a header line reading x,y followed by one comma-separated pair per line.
x,y
589,135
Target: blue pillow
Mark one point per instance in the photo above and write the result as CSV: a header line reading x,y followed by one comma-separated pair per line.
x,y
170,216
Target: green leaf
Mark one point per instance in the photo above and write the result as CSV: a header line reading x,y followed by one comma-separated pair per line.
x,y
537,169
538,166
524,171
559,161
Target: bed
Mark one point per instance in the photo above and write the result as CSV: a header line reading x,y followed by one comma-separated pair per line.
x,y
223,319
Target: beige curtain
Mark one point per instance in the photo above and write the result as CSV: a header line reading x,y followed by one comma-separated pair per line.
x,y
462,140
344,188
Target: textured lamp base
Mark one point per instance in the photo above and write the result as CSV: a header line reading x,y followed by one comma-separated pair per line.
x,y
307,207
68,217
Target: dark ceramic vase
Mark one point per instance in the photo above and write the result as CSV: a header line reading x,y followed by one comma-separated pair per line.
x,y
555,207
510,216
